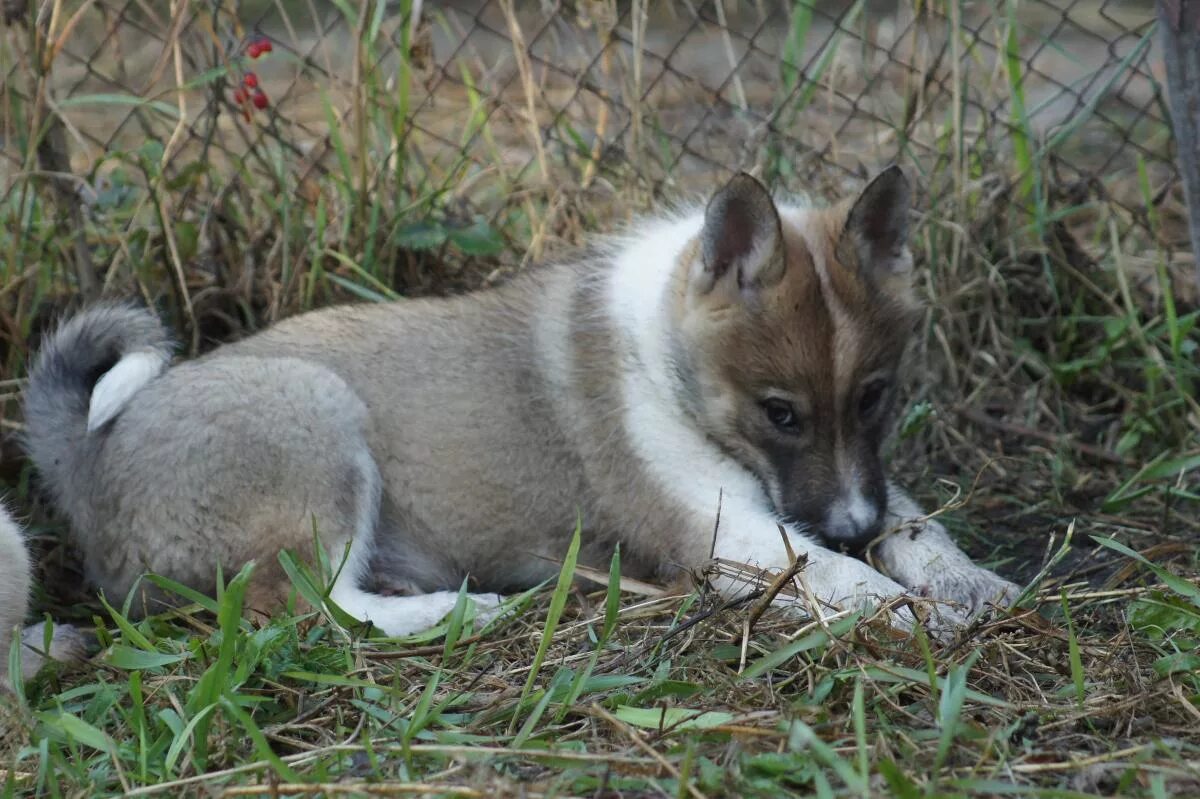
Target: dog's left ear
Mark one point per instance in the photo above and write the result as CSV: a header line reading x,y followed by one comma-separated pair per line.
x,y
875,238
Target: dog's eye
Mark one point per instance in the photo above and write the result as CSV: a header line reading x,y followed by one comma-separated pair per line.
x,y
872,397
781,414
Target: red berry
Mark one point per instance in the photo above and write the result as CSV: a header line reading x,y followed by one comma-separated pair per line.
x,y
254,50
250,81
240,96
260,99
264,45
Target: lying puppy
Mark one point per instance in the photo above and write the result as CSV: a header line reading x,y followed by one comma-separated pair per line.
x,y
741,356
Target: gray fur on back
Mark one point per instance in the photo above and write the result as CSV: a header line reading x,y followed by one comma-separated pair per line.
x,y
69,363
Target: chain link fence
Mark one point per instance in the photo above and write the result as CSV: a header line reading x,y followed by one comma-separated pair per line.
x,y
515,125
666,94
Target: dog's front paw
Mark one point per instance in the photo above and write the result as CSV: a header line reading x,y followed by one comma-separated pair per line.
x,y
971,590
848,583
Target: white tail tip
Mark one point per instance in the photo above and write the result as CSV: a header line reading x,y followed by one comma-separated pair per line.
x,y
118,385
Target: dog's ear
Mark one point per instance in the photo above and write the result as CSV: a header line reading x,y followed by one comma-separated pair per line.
x,y
875,237
742,242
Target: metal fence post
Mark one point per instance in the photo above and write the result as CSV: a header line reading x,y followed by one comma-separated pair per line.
x,y
1180,23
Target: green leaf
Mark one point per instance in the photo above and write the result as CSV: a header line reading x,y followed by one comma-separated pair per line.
x,y
479,238
151,152
182,734
954,691
1159,616
609,682
179,589
561,681
329,679
893,673
1171,469
814,640
378,292
916,419
558,601
119,99
188,176
801,737
131,659
1178,663
612,599
901,786
1073,654
128,630
421,714
673,718
79,730
187,237
260,741
302,579
454,623
361,292
424,235
1172,581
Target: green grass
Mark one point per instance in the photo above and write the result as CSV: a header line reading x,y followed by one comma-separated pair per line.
x,y
1052,412
180,704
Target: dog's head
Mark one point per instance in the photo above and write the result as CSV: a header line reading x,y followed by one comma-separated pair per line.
x,y
789,330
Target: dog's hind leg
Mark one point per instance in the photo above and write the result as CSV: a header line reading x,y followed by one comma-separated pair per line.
x,y
404,615
220,463
394,615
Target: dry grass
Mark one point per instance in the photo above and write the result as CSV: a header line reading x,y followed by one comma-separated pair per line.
x,y
1052,392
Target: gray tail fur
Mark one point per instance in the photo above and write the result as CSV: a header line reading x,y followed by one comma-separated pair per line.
x,y
69,363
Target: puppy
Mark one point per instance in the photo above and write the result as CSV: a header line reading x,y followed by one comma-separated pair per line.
x,y
742,355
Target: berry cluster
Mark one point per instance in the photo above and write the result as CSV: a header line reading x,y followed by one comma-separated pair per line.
x,y
258,47
249,92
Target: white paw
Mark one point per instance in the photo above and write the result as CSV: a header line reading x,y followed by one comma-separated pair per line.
x,y
488,607
849,583
67,645
972,590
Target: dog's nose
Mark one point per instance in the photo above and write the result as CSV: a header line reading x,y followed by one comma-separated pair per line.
x,y
852,523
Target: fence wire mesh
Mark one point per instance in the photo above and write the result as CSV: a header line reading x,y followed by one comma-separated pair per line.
x,y
666,91
479,112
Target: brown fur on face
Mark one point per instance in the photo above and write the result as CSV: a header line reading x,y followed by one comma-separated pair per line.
x,y
810,315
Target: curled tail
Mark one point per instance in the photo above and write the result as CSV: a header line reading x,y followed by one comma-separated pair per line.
x,y
84,374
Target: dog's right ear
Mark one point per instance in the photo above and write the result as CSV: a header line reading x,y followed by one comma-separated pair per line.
x,y
741,245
